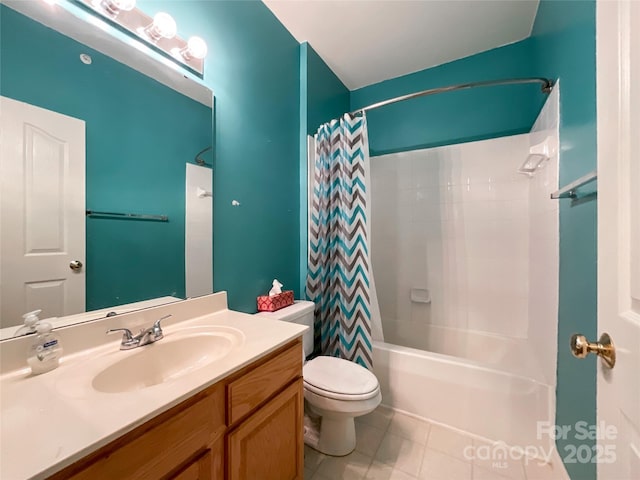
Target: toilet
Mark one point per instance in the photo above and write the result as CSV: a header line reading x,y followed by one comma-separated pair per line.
x,y
335,389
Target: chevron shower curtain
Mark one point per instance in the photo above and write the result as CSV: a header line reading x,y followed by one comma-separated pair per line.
x,y
339,278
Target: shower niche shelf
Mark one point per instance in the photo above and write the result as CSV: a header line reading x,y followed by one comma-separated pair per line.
x,y
578,188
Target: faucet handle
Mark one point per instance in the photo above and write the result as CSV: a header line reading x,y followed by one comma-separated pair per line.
x,y
127,336
156,329
156,325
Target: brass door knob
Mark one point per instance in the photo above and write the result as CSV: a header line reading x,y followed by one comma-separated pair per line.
x,y
75,265
604,348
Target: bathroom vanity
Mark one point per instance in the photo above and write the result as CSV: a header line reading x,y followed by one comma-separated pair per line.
x,y
219,397
256,414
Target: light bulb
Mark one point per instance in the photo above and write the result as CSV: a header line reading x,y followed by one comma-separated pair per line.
x,y
114,7
163,26
196,48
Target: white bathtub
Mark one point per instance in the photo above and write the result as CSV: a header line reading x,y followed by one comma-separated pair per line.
x,y
481,400
503,353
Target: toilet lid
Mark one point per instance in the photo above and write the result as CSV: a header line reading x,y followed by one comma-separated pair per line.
x,y
331,376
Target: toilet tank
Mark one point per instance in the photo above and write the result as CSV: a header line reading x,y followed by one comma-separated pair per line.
x,y
300,312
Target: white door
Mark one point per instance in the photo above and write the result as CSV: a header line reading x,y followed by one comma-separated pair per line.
x,y
42,212
618,84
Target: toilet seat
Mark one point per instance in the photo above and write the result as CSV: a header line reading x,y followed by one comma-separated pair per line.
x,y
341,396
339,379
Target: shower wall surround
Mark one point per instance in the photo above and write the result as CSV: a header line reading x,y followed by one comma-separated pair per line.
x,y
465,250
453,220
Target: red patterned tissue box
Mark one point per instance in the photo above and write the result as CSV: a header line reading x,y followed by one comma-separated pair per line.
x,y
271,304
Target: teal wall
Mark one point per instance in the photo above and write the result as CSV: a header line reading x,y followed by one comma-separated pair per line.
x,y
327,96
564,47
253,69
139,135
323,97
454,117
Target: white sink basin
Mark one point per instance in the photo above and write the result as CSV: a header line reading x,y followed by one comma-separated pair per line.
x,y
174,356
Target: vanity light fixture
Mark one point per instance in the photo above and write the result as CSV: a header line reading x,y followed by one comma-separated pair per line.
x,y
159,32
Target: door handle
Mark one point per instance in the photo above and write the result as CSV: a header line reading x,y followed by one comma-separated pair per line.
x,y
604,348
75,265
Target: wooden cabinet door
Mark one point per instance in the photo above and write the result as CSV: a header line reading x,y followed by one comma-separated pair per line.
x,y
269,444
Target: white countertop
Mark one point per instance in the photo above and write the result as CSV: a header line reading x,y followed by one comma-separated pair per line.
x,y
51,420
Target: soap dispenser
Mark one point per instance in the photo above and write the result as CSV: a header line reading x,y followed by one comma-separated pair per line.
x,y
29,319
45,352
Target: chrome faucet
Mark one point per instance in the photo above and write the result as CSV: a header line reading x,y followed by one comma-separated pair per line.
x,y
145,337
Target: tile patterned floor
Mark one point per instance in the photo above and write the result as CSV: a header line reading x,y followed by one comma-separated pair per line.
x,y
394,446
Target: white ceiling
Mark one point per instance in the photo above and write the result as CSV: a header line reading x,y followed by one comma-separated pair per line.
x,y
367,41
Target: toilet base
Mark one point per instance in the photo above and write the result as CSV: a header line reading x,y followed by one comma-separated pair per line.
x,y
337,427
337,436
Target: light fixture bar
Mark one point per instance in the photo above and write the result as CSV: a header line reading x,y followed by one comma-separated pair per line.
x,y
158,32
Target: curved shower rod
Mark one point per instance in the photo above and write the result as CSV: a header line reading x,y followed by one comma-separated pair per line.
x,y
546,85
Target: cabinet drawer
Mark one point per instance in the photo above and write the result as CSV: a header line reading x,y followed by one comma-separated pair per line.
x,y
258,384
158,447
